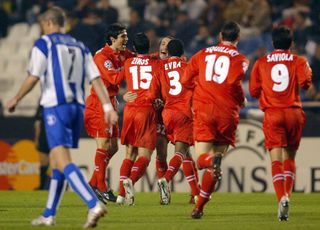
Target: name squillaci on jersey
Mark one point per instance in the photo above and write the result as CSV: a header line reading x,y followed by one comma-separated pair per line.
x,y
61,63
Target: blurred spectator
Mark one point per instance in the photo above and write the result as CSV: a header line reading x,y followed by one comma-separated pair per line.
x,y
4,22
109,13
153,10
213,15
184,28
89,30
136,25
83,7
194,8
202,40
139,6
168,16
277,7
235,10
154,39
315,66
301,31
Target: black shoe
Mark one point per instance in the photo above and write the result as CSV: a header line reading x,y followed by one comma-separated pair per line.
x,y
196,214
216,166
99,194
109,196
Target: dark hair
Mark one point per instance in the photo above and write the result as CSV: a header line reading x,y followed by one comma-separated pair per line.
x,y
175,48
281,38
54,14
141,43
230,31
113,31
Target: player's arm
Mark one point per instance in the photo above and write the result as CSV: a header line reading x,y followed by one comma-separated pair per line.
x,y
254,81
304,73
107,70
241,66
37,67
92,72
192,70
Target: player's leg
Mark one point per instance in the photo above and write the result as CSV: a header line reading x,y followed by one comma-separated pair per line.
x,y
191,173
138,169
161,149
125,170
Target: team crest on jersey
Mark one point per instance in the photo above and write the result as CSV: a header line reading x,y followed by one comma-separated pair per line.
x,y
108,64
51,119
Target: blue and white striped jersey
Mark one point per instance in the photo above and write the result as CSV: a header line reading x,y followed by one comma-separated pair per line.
x,y
62,63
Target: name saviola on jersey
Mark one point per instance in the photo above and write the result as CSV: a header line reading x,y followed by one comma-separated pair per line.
x,y
222,49
172,65
279,57
139,61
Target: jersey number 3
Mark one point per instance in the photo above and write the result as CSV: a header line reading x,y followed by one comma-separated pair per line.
x,y
175,85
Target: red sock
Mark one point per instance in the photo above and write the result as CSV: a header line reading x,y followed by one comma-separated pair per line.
x,y
161,167
207,187
289,167
278,179
174,166
139,168
189,172
99,174
124,174
205,161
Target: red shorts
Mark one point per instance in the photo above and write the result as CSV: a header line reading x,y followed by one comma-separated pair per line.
x,y
139,127
178,126
94,122
212,123
283,127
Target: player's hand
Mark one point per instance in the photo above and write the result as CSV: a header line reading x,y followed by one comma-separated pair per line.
x,y
111,117
157,104
129,96
11,104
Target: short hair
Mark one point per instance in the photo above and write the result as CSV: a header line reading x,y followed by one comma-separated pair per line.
x,y
281,38
230,31
175,48
113,31
141,43
54,14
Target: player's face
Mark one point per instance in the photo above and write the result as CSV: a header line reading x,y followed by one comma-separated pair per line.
x,y
121,41
163,50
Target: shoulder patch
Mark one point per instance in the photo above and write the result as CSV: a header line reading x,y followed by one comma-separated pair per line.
x,y
108,64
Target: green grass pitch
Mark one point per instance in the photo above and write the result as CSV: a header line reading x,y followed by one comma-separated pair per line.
x,y
224,211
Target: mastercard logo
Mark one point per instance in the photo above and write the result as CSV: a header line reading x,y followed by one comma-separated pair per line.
x,y
19,166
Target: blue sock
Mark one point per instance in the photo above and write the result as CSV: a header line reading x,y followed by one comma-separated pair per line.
x,y
56,190
79,185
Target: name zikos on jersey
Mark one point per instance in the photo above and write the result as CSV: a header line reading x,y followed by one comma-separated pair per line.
x,y
62,63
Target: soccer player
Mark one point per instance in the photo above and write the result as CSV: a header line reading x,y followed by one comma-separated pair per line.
x,y
177,117
217,98
109,60
275,80
139,127
60,63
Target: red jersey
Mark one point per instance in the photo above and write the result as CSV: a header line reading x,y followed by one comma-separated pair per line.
x,y
175,95
275,79
217,72
109,63
138,72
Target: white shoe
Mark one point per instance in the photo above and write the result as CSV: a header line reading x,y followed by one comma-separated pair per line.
x,y
164,191
283,210
94,214
120,200
128,187
44,221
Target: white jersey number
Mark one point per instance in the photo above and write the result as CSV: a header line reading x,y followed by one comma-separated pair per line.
x,y
175,85
219,65
280,76
145,76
